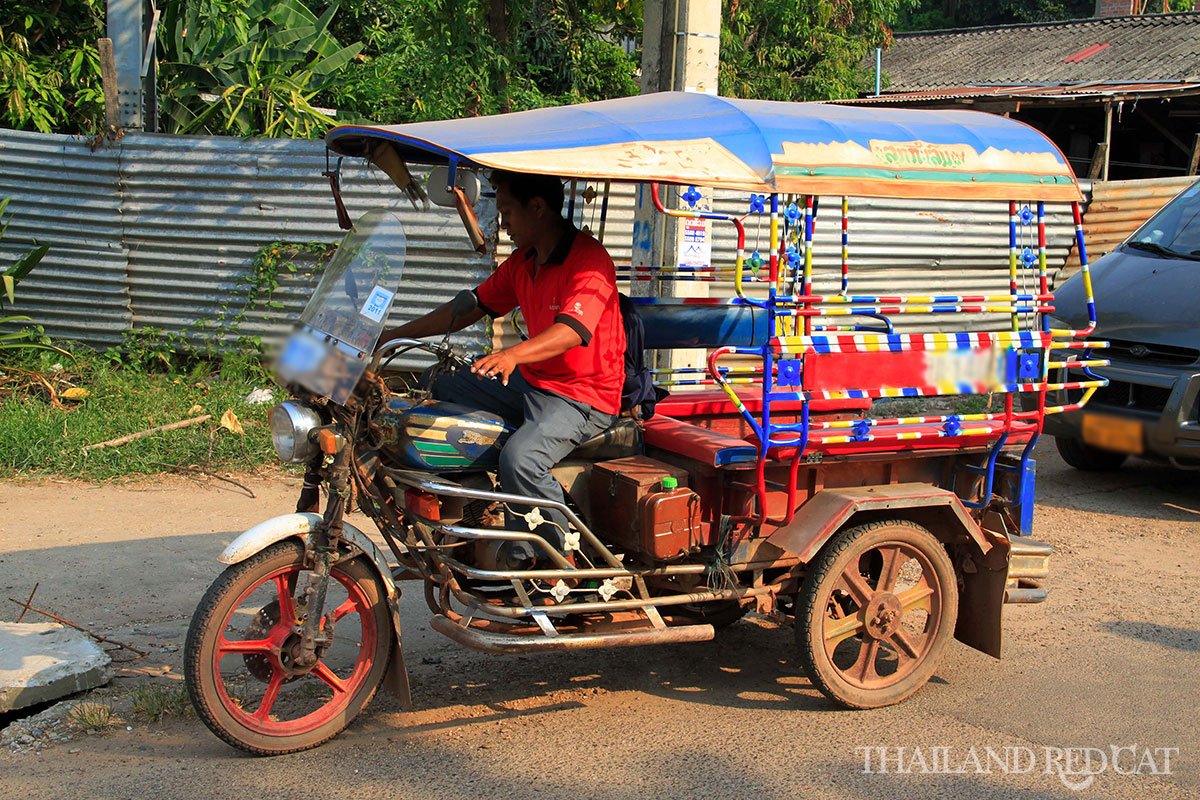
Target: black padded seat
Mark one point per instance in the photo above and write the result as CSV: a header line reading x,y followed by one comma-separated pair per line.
x,y
622,438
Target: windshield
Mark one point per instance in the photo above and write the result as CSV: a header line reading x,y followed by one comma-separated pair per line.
x,y
1175,230
330,349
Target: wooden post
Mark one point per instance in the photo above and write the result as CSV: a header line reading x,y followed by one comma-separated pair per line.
x,y
108,81
1099,161
1107,140
1194,162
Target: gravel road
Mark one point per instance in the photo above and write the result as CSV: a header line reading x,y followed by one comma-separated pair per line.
x,y
1109,661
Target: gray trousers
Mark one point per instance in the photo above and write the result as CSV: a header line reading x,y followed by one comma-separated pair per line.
x,y
550,427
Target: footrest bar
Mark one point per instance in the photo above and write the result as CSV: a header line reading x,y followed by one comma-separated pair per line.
x,y
513,644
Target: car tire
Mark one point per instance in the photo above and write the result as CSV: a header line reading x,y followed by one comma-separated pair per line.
x,y
1087,458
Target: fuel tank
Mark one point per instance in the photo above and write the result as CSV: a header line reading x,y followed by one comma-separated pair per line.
x,y
441,437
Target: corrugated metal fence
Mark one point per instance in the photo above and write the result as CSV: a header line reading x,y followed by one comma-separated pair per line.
x,y
160,231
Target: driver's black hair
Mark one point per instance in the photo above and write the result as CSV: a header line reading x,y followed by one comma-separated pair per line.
x,y
524,187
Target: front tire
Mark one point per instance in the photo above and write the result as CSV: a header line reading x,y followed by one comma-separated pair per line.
x,y
238,661
1086,458
876,612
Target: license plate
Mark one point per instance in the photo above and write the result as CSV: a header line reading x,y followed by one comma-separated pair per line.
x,y
1113,433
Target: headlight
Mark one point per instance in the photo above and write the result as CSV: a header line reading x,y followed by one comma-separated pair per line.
x,y
291,423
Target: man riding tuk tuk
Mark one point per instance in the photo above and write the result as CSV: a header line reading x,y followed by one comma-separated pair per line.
x,y
787,489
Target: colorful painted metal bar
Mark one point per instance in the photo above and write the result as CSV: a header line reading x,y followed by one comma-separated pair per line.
x,y
1087,281
737,223
905,342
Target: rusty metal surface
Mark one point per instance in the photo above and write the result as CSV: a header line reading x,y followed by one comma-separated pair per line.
x,y
515,644
828,510
1028,558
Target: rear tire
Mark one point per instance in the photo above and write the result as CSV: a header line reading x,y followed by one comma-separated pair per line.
x,y
1087,458
875,613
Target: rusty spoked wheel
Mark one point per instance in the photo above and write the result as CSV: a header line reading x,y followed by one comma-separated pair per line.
x,y
241,664
875,613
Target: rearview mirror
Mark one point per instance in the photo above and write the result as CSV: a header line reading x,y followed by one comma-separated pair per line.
x,y
439,182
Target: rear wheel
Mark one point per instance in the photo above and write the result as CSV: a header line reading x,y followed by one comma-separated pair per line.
x,y
1087,458
876,612
240,658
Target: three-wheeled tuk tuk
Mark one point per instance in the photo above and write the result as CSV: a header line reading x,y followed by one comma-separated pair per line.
x,y
782,489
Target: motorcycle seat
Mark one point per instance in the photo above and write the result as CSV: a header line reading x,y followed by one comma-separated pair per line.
x,y
622,438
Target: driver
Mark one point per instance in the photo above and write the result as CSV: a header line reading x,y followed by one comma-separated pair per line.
x,y
563,385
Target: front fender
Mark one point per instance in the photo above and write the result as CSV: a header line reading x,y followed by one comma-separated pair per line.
x,y
300,525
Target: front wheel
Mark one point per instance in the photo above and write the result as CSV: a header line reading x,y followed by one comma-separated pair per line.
x,y
240,658
1087,458
875,613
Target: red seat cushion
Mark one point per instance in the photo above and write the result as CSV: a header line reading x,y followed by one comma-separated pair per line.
x,y
711,402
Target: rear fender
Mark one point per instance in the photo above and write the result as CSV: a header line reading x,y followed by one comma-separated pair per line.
x,y
299,526
980,555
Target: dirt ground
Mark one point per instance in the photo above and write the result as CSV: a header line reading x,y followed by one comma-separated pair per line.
x,y
1109,660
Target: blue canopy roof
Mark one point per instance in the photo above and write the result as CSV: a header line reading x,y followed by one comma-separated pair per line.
x,y
756,145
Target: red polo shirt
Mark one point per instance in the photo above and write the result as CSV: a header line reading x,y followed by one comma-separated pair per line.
x,y
578,287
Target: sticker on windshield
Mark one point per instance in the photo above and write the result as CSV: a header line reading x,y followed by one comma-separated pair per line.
x,y
377,304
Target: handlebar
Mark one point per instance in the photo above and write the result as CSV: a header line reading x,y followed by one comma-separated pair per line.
x,y
444,353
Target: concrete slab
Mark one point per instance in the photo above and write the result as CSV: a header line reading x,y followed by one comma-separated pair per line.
x,y
44,661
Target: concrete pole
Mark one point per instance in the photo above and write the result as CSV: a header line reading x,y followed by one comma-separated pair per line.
x,y
128,40
680,52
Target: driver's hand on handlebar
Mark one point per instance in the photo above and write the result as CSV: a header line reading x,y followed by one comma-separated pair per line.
x,y
499,364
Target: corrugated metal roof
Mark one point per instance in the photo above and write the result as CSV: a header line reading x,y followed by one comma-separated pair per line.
x,y
65,195
1151,47
1057,92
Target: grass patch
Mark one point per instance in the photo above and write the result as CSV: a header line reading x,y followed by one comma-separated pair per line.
x,y
36,438
154,701
93,716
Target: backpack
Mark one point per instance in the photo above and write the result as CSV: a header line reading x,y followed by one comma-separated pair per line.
x,y
639,395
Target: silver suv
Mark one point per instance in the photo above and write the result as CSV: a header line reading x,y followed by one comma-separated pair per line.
x,y
1148,300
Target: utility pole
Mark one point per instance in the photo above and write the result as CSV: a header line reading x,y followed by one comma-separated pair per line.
x,y
680,52
132,30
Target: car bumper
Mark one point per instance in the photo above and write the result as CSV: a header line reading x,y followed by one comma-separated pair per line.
x,y
1164,400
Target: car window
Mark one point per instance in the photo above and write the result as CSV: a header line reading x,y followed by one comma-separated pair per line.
x,y
1177,226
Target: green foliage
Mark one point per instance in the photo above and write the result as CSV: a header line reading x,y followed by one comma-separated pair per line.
x,y
32,337
150,349
248,67
260,283
812,50
155,701
439,59
49,66
37,438
93,716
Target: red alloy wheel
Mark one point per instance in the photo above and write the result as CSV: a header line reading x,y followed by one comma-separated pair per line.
x,y
244,679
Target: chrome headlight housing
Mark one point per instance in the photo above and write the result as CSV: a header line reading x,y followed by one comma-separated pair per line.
x,y
291,423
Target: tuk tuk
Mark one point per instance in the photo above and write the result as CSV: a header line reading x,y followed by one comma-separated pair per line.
x,y
767,481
